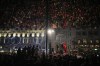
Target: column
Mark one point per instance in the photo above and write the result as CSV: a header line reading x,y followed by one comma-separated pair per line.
x,y
0,37
28,37
23,38
5,34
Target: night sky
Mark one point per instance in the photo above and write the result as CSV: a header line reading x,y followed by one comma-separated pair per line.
x,y
31,14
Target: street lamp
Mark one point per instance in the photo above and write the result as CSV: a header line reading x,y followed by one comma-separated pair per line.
x,y
50,33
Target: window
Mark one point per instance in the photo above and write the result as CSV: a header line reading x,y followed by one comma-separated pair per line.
x,y
78,33
97,41
95,33
79,41
84,41
83,33
90,33
91,41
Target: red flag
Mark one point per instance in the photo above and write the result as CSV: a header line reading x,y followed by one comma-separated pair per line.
x,y
65,47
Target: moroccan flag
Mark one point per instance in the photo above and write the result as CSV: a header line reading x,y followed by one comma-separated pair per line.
x,y
65,47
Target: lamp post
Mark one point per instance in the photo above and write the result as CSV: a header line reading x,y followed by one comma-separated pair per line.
x,y
46,24
50,32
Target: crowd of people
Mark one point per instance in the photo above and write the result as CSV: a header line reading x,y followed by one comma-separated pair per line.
x,y
30,14
33,14
30,56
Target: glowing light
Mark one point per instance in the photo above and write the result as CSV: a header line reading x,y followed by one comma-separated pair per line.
x,y
18,34
2,51
9,35
14,34
10,51
15,51
0,47
97,55
21,49
33,34
42,34
28,34
50,31
37,34
95,49
0,35
23,35
5,35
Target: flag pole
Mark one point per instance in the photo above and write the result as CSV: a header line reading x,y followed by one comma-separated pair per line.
x,y
46,23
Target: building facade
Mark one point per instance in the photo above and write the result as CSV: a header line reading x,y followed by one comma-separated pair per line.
x,y
87,40
12,40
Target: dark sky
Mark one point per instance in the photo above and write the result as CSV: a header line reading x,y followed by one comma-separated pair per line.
x,y
74,12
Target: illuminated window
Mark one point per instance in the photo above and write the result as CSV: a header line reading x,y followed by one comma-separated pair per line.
x,y
81,45
91,45
96,45
79,41
84,41
86,45
97,41
91,41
